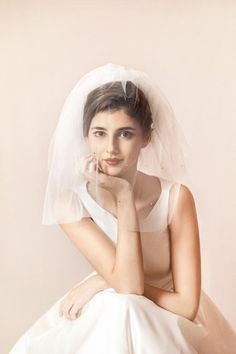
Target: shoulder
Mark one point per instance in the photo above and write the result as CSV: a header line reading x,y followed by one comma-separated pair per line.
x,y
185,196
185,205
183,193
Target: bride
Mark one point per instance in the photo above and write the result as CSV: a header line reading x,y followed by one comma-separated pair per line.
x,y
115,161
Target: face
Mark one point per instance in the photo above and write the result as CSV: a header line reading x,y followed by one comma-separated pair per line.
x,y
116,136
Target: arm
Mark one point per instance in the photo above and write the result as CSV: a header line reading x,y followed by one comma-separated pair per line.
x,y
120,266
129,258
185,251
186,261
186,269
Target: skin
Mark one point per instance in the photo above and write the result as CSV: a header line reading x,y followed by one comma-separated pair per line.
x,y
121,267
107,140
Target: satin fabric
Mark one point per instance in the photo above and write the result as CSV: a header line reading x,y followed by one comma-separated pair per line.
x,y
114,323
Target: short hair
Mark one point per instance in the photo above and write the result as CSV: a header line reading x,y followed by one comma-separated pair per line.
x,y
111,96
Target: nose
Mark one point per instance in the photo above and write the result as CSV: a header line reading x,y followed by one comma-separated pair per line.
x,y
112,147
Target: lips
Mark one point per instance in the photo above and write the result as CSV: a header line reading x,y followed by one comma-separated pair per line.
x,y
112,161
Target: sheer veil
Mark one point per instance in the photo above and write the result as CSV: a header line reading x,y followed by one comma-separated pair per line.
x,y
165,156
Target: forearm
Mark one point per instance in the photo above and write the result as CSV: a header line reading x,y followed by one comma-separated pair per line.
x,y
98,283
129,259
171,301
95,283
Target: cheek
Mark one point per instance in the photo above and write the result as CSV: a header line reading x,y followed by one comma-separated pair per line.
x,y
133,150
95,147
92,143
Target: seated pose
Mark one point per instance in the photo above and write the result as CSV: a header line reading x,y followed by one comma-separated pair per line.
x,y
116,161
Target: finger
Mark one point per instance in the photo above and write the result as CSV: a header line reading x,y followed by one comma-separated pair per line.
x,y
85,162
92,169
81,162
90,163
89,167
67,314
65,309
74,312
95,164
61,312
90,177
92,172
61,308
66,302
100,167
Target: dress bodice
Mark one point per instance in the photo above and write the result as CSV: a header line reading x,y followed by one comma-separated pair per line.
x,y
155,244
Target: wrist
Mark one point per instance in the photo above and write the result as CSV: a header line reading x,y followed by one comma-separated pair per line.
x,y
99,283
124,195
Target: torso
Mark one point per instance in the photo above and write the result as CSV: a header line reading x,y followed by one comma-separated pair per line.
x,y
154,232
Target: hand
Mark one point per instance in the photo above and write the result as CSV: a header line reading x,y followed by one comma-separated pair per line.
x,y
92,170
75,299
81,294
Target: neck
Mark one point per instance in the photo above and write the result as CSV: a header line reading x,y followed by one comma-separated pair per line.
x,y
132,176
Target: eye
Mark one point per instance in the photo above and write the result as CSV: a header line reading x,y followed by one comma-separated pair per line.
x,y
126,134
98,133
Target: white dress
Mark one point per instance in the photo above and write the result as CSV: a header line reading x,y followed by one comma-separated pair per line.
x,y
114,323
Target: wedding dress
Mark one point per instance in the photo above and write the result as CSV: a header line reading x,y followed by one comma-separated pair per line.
x,y
114,323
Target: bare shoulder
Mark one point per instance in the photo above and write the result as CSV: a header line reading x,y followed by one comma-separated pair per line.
x,y
185,208
186,197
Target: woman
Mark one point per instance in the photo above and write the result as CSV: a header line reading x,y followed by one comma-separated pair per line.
x,y
115,159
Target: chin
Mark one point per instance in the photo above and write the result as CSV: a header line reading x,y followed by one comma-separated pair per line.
x,y
109,172
115,172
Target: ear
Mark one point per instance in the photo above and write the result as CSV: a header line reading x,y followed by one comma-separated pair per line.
x,y
146,140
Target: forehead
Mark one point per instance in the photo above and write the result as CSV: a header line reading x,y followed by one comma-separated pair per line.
x,y
113,119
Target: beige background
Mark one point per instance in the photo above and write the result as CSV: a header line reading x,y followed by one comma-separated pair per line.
x,y
46,46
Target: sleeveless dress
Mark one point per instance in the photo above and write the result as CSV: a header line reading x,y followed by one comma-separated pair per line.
x,y
114,323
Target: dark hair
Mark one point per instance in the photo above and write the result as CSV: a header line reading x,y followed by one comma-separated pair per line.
x,y
111,96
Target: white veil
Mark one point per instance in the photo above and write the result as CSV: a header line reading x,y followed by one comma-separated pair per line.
x,y
165,156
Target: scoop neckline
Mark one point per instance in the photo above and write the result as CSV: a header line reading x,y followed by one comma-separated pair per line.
x,y
113,216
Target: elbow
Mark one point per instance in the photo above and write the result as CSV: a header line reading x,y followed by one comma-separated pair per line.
x,y
190,317
129,288
191,313
189,306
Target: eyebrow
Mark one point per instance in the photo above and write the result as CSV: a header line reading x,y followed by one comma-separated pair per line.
x,y
126,128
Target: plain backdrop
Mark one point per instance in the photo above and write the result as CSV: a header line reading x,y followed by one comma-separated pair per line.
x,y
189,48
